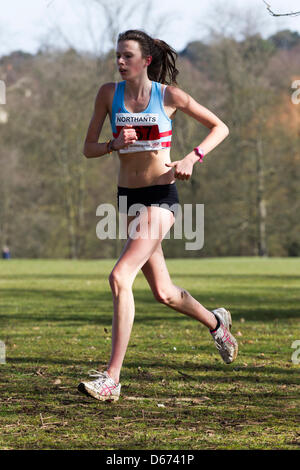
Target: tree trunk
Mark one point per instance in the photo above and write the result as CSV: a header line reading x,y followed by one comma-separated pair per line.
x,y
260,201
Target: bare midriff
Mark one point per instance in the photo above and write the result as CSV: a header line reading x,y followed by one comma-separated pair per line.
x,y
139,169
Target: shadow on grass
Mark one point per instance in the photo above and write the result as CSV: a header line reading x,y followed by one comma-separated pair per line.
x,y
140,317
39,277
95,277
264,309
250,374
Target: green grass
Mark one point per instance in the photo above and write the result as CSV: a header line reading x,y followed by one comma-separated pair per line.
x,y
56,323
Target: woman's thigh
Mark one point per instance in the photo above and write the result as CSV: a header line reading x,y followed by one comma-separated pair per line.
x,y
145,233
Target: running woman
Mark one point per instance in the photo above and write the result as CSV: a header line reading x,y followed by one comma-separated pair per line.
x,y
141,108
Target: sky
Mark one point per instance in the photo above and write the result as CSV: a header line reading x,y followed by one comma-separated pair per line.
x,y
26,24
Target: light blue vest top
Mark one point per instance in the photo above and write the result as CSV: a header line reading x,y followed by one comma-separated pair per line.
x,y
153,126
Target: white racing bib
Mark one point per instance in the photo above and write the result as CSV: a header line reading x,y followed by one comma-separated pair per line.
x,y
146,128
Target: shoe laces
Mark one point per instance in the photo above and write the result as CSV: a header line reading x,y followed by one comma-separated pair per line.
x,y
101,377
97,374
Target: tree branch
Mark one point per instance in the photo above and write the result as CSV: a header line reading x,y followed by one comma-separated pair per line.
x,y
292,13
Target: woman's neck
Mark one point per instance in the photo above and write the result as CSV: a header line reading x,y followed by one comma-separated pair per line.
x,y
138,88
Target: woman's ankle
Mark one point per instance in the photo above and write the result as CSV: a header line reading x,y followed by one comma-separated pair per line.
x,y
113,375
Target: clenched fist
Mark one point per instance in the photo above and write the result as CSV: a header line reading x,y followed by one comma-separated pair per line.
x,y
126,137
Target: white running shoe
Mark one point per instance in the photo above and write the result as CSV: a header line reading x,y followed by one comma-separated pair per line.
x,y
225,342
102,388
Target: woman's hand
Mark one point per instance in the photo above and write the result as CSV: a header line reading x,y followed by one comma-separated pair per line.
x,y
126,137
183,169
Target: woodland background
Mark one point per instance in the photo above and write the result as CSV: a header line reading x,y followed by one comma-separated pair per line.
x,y
249,184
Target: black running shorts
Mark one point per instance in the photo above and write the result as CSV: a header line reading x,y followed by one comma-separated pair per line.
x,y
156,194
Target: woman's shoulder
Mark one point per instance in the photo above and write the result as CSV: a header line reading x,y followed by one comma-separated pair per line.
x,y
107,87
175,96
106,92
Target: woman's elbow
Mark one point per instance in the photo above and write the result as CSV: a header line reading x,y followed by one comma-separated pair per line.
x,y
226,129
85,151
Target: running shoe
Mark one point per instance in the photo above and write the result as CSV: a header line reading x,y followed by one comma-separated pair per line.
x,y
225,342
102,388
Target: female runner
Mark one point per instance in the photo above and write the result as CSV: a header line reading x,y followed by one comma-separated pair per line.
x,y
141,109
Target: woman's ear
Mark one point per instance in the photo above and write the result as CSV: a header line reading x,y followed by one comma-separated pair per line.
x,y
149,60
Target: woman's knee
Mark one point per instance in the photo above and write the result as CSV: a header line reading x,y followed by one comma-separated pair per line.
x,y
118,279
165,295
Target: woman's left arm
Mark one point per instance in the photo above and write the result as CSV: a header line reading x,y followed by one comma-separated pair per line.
x,y
179,99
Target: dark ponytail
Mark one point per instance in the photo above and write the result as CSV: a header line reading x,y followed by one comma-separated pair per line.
x,y
162,68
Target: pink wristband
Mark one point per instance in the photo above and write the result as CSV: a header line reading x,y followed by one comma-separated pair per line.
x,y
200,153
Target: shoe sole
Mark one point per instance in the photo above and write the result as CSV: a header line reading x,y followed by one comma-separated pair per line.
x,y
229,320
236,350
89,393
236,343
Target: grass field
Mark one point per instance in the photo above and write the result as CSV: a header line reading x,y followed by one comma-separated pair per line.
x,y
176,392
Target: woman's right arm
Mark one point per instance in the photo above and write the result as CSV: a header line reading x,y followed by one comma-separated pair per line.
x,y
127,136
91,146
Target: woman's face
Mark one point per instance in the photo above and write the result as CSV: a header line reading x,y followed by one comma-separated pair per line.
x,y
129,59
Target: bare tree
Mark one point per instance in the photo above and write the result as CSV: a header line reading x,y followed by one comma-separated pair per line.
x,y
114,17
241,65
234,21
292,13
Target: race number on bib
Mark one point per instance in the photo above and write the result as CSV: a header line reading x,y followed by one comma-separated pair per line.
x,y
146,128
